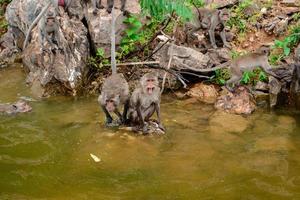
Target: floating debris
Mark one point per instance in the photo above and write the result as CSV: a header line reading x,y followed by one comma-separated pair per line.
x,y
95,158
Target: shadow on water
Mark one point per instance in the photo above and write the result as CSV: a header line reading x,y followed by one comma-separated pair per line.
x,y
205,154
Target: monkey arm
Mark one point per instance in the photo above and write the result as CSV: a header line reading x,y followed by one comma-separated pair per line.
x,y
140,116
157,108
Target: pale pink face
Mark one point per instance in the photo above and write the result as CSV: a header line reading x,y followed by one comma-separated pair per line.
x,y
110,105
150,85
50,21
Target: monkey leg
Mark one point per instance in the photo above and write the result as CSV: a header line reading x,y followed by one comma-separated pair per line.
x,y
125,110
212,38
234,79
117,112
100,6
141,119
109,119
123,4
110,5
223,37
157,108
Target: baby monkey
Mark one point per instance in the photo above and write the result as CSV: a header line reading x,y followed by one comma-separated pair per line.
x,y
145,100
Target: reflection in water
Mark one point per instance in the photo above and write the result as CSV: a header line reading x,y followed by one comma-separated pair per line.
x,y
205,154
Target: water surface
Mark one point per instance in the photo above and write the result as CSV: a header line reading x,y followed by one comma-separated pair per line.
x,y
205,154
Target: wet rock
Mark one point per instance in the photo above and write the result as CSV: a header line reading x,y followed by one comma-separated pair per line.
x,y
285,124
20,106
274,90
261,86
100,24
261,98
184,58
222,122
274,143
204,93
152,129
239,102
8,50
295,86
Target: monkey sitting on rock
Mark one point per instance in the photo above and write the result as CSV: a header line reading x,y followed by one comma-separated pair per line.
x,y
145,100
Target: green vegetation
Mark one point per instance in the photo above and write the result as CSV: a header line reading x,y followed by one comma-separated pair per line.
x,y
3,23
282,48
238,19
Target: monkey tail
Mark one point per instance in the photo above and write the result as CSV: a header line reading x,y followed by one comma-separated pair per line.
x,y
221,66
113,42
34,23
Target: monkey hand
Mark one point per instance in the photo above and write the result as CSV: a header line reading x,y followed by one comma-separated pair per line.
x,y
95,12
227,45
145,129
161,127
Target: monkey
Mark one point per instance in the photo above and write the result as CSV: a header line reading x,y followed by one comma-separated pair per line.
x,y
48,29
245,63
145,100
213,20
37,19
115,89
115,92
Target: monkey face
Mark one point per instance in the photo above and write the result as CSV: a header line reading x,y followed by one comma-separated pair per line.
x,y
224,15
50,21
112,103
150,85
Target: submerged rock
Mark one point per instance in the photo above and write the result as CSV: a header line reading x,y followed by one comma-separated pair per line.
x,y
204,93
152,129
20,106
239,102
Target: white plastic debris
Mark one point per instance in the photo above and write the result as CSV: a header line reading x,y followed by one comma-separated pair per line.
x,y
95,158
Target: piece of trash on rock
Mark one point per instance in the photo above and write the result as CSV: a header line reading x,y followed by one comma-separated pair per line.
x,y
95,158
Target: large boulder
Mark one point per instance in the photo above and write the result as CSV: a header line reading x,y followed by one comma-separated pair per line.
x,y
239,102
100,25
204,93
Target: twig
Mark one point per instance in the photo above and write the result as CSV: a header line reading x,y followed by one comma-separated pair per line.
x,y
154,52
171,56
134,63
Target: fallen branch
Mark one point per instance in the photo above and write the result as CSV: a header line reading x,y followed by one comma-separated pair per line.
x,y
134,63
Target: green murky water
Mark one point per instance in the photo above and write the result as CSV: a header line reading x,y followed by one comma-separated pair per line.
x,y
205,154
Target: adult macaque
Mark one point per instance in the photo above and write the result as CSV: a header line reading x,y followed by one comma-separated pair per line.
x,y
115,92
48,29
245,63
115,89
145,100
214,21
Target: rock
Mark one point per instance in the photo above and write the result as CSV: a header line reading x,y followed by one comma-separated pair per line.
x,y
251,10
273,143
222,122
275,88
261,86
261,98
221,3
184,58
152,129
100,25
239,102
218,56
295,86
20,106
277,25
285,124
289,2
204,93
62,68
8,50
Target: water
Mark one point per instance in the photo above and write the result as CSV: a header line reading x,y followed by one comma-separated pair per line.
x,y
205,154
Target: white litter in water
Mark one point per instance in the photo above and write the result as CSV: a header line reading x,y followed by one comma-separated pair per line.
x,y
95,158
